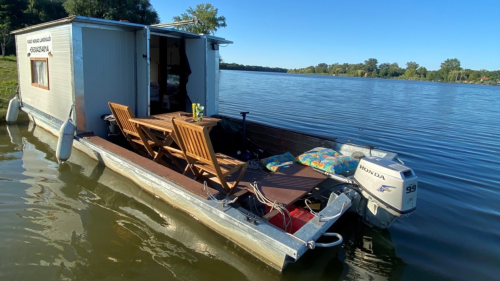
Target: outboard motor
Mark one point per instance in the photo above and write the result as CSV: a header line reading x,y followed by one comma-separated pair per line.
x,y
389,191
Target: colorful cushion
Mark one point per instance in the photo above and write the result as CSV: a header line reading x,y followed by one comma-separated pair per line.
x,y
315,154
328,160
278,162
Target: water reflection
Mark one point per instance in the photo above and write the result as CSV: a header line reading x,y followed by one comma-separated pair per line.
x,y
366,254
83,221
15,136
369,253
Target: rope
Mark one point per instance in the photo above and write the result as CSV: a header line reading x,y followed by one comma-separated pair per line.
x,y
321,218
71,111
255,164
274,206
310,209
335,216
19,96
310,244
224,201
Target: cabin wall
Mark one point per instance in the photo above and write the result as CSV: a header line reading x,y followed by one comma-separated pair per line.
x,y
109,73
196,86
212,80
58,99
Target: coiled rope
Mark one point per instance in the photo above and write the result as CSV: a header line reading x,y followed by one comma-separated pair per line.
x,y
224,201
255,164
285,214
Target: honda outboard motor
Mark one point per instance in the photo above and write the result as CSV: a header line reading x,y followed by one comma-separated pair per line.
x,y
389,191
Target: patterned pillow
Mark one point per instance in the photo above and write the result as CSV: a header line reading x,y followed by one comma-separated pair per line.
x,y
315,154
278,162
328,160
336,165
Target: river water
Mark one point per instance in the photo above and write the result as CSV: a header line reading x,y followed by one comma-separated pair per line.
x,y
82,221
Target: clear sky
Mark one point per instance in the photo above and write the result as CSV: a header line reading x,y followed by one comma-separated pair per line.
x,y
296,34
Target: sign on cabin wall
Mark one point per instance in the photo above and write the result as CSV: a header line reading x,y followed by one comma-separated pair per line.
x,y
39,45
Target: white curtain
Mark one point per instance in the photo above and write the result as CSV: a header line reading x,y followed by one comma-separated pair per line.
x,y
40,75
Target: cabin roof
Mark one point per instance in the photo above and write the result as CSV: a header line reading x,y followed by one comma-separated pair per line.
x,y
125,25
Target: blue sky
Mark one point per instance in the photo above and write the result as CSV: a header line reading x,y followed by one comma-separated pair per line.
x,y
296,34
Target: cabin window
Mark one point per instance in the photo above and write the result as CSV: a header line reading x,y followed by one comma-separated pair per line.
x,y
40,73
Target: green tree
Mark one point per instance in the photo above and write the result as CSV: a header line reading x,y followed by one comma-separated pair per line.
x,y
434,76
410,73
384,65
207,14
384,69
412,65
395,70
39,11
309,69
411,70
5,35
13,12
457,75
321,68
474,76
422,72
12,17
137,11
449,65
370,65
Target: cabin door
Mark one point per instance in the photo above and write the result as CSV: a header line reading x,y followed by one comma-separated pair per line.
x,y
142,38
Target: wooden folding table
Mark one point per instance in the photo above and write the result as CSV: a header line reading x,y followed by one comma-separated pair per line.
x,y
162,123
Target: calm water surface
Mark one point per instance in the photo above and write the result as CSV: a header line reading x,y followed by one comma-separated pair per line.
x,y
82,221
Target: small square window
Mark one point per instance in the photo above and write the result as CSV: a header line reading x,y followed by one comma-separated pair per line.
x,y
40,73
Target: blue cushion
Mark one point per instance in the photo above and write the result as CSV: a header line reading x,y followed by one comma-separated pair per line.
x,y
328,160
278,162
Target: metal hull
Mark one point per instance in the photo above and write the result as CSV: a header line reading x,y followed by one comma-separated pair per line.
x,y
268,243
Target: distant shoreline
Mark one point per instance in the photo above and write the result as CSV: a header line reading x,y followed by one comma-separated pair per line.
x,y
385,78
450,71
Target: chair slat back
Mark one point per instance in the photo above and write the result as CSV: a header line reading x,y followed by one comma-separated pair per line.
x,y
194,141
122,114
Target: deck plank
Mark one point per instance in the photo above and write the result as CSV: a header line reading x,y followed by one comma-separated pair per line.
x,y
287,186
153,167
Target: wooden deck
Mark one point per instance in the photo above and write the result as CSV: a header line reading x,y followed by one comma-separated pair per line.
x,y
155,168
286,186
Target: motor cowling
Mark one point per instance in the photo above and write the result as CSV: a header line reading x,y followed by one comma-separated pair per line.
x,y
390,190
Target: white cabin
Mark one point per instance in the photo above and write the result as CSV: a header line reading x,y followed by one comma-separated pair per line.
x,y
89,62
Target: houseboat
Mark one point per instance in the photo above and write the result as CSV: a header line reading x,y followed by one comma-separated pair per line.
x,y
288,187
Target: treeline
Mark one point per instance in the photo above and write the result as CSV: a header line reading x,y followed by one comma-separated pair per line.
x,y
450,71
16,14
235,66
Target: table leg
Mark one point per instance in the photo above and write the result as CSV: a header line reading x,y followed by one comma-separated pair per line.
x,y
156,155
161,149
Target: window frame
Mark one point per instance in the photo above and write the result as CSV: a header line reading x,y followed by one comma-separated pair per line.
x,y
46,60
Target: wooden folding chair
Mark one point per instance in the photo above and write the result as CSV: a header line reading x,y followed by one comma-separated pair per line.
x,y
205,164
122,114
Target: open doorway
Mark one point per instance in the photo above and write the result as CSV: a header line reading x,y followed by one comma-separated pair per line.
x,y
169,70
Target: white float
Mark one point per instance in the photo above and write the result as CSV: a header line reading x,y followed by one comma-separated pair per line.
x,y
65,142
12,110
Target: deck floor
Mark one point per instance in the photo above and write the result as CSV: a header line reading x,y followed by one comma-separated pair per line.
x,y
153,167
284,187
